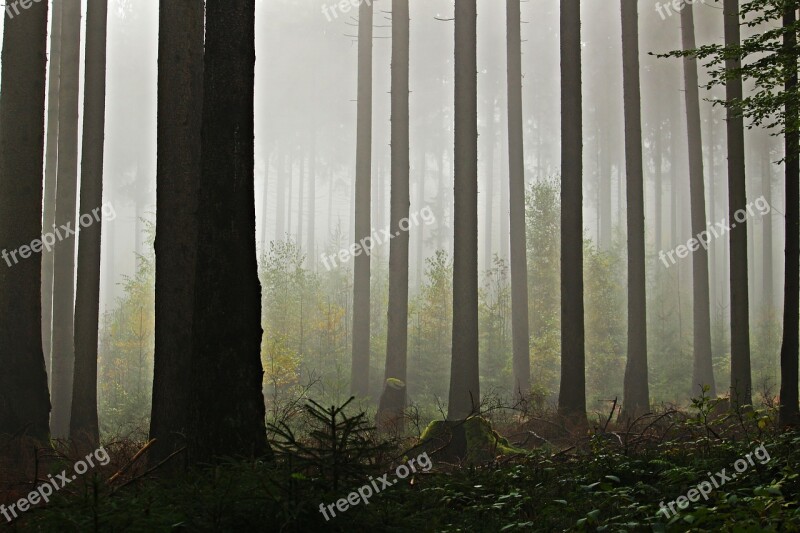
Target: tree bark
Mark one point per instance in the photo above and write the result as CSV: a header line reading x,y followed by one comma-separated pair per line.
x,y
636,387
703,369
84,429
741,387
464,397
393,398
789,413
24,399
63,354
359,381
178,168
227,376
50,176
516,186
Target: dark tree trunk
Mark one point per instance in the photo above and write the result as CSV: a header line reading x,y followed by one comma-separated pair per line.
x,y
24,400
84,428
789,411
50,176
63,355
359,380
180,111
636,387
464,397
393,398
516,187
227,376
703,369
741,387
572,395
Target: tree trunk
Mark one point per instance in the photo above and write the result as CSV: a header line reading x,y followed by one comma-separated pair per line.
x,y
265,205
280,201
50,176
789,411
312,204
464,397
227,376
703,369
178,168
572,394
488,201
63,358
359,381
393,398
24,400
766,230
741,388
84,428
636,388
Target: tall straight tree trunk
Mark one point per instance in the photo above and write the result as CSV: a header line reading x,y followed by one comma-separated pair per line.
x,y
393,398
703,369
636,387
312,204
766,229
572,393
280,205
420,255
180,111
789,410
488,202
464,397
301,169
24,400
50,176
226,378
741,388
359,378
658,182
63,358
265,205
516,186
84,428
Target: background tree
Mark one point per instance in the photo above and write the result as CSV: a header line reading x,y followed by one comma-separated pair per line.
x,y
361,270
572,392
703,369
63,349
637,390
226,378
24,401
393,398
516,182
464,369
83,419
178,168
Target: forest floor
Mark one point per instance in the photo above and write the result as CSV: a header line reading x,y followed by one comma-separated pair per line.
x,y
717,472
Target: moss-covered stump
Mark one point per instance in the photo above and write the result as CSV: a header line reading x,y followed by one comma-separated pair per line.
x,y
472,441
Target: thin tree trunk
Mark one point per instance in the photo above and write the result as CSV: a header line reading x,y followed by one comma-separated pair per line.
x,y
24,400
703,369
393,398
359,378
464,397
516,186
489,194
312,204
741,388
50,176
789,410
84,429
178,168
301,169
636,387
226,378
280,201
766,230
63,358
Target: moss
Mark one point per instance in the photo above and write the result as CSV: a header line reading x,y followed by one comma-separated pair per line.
x,y
473,440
